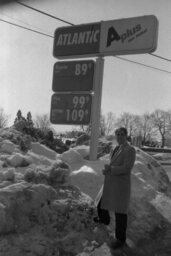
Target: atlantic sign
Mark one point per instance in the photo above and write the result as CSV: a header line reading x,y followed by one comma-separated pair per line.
x,y
115,37
77,40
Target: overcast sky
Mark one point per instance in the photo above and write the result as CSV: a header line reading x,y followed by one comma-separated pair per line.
x,y
26,65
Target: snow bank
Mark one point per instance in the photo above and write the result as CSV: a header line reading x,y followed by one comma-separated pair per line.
x,y
39,159
18,160
87,176
147,210
149,171
71,156
14,199
83,150
42,150
44,221
6,146
163,204
162,156
44,212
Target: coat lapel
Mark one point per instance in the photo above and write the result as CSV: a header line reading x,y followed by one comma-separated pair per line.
x,y
118,152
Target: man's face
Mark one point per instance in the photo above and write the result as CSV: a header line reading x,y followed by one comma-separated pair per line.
x,y
121,137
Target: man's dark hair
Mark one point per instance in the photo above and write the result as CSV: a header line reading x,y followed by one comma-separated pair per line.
x,y
121,129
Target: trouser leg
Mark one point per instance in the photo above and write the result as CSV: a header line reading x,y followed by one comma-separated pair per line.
x,y
103,214
121,226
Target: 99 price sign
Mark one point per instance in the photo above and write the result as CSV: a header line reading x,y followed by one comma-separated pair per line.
x,y
73,76
71,108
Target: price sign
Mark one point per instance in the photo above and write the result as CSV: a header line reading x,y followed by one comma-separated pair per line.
x,y
73,76
71,108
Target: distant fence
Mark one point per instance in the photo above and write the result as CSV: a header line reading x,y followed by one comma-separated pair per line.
x,y
156,150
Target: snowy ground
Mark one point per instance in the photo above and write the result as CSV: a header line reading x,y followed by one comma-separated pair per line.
x,y
165,160
149,212
168,170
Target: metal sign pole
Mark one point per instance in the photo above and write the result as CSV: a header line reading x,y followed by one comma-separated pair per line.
x,y
96,107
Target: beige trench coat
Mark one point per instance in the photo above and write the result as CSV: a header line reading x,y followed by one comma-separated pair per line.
x,y
117,185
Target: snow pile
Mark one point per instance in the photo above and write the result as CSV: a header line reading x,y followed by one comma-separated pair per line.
x,y
42,150
18,159
83,150
162,156
44,221
17,209
87,176
7,146
41,212
47,208
149,214
71,156
163,205
149,173
57,173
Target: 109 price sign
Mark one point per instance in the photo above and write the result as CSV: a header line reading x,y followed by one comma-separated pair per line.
x,y
71,108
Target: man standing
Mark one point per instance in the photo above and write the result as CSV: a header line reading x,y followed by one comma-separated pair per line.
x,y
117,185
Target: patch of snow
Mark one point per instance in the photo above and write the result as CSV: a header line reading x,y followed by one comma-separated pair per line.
x,y
71,156
163,204
17,160
7,147
9,174
87,175
42,150
83,150
34,158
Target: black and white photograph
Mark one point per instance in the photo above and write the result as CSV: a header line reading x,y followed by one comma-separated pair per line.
x,y
85,128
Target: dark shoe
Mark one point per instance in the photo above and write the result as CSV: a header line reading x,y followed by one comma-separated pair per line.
x,y
117,244
97,220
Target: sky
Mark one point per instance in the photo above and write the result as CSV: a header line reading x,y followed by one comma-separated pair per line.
x,y
26,66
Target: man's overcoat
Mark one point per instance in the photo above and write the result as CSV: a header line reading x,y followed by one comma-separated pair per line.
x,y
117,184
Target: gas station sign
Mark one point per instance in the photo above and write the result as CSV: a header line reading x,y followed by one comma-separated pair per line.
x,y
114,37
72,105
70,108
129,36
77,40
73,76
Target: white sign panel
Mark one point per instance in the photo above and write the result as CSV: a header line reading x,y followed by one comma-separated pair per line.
x,y
129,36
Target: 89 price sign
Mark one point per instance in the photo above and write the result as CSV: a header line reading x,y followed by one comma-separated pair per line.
x,y
73,76
71,108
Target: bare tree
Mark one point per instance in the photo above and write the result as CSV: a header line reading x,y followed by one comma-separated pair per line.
x,y
130,122
146,126
102,125
161,122
3,118
109,123
85,128
42,122
29,119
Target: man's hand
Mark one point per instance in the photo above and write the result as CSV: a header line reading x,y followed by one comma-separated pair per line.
x,y
107,169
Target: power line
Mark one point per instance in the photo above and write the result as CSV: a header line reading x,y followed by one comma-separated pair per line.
x,y
160,57
148,66
32,30
8,16
47,14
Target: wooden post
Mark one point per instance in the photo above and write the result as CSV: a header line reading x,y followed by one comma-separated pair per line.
x,y
96,107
